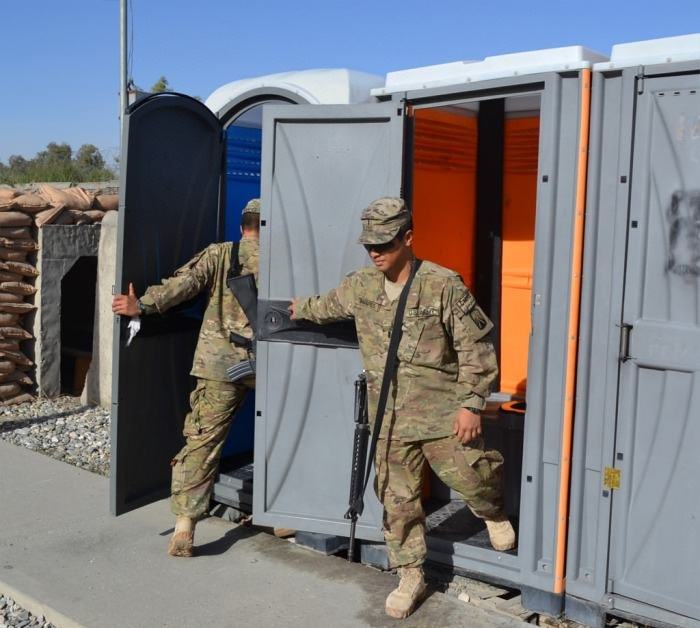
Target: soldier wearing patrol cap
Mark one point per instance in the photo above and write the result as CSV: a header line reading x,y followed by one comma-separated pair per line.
x,y
445,370
215,399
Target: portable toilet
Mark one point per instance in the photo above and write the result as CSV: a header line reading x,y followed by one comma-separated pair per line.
x,y
187,170
491,156
634,543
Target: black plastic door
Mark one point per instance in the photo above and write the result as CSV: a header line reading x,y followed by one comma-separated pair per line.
x,y
172,150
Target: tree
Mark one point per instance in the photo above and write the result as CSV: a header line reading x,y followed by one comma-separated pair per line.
x,y
17,163
89,157
161,85
55,153
56,163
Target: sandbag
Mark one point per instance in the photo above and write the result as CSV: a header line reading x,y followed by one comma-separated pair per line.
x,y
17,357
21,268
9,345
7,194
30,203
48,216
106,202
17,376
8,320
95,215
14,219
8,390
12,255
11,297
6,366
21,233
17,287
20,245
72,198
17,308
23,398
5,276
14,331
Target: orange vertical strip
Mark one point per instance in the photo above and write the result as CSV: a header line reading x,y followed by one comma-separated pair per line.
x,y
573,330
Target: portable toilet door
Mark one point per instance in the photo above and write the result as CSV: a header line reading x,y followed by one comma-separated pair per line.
x,y
506,138
633,544
170,191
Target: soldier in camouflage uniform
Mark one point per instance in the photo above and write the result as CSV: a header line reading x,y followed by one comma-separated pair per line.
x,y
215,399
445,370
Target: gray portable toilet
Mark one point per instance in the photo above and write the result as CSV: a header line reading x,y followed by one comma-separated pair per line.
x,y
175,199
491,156
634,542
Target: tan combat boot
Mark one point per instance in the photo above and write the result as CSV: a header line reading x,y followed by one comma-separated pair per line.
x,y
403,599
501,533
183,537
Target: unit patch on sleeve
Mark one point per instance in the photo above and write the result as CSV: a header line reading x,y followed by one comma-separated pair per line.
x,y
477,323
479,319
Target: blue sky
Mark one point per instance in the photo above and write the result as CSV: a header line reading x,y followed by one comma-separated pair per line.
x,y
60,58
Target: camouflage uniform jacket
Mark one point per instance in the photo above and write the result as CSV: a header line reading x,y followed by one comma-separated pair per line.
x,y
445,360
208,271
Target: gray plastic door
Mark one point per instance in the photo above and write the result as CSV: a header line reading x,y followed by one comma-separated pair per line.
x,y
321,166
169,209
655,528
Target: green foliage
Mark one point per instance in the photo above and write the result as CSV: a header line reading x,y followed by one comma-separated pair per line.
x,y
56,163
161,85
89,157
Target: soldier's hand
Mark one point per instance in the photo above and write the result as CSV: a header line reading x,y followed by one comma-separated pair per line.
x,y
293,309
126,304
467,425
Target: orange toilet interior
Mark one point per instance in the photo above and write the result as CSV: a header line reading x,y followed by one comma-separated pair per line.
x,y
520,157
444,188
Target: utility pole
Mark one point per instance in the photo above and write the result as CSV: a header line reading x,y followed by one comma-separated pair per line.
x,y
123,95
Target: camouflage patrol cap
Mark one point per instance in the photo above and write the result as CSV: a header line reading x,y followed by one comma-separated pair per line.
x,y
383,219
252,207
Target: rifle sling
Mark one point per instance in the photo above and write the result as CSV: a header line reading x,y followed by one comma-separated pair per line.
x,y
244,288
235,268
389,371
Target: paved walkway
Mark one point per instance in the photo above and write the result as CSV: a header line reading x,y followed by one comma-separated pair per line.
x,y
64,556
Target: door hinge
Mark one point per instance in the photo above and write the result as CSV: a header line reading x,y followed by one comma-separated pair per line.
x,y
612,478
640,79
625,331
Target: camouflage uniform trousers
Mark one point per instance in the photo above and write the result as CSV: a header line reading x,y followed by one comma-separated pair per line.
x,y
476,474
213,405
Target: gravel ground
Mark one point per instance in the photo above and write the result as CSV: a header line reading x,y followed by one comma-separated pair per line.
x,y
12,615
61,428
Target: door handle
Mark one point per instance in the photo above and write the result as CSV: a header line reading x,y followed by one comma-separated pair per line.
x,y
275,325
625,332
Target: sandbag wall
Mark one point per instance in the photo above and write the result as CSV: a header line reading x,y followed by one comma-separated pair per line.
x,y
22,212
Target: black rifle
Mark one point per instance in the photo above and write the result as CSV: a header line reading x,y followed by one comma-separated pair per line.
x,y
245,290
359,480
359,455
